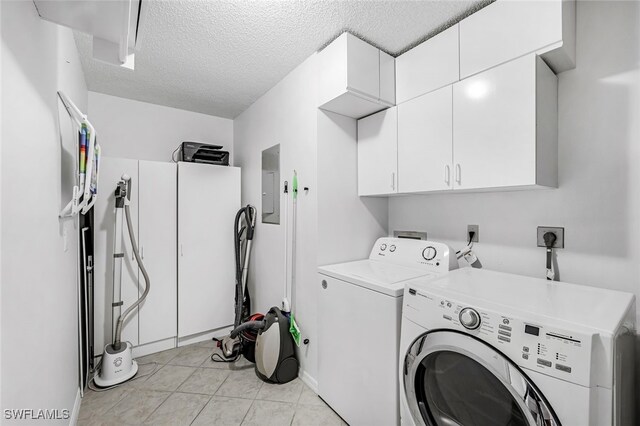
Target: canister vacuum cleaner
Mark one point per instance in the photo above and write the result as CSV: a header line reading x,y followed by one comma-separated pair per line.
x,y
117,365
262,339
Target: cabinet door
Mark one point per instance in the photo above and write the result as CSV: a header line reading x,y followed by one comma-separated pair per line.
x,y
158,244
506,30
378,153
111,170
428,66
425,138
494,127
208,199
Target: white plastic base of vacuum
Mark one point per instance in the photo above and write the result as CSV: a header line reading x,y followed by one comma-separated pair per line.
x,y
116,368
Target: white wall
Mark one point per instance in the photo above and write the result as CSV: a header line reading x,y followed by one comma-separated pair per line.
x,y
39,290
598,200
143,131
348,225
334,225
285,115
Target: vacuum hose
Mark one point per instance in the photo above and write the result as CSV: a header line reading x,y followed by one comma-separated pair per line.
x,y
134,246
254,325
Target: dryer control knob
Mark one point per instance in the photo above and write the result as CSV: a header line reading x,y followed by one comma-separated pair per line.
x,y
429,253
469,318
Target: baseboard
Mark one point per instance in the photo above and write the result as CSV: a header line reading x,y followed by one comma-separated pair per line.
x,y
309,381
153,347
202,337
73,419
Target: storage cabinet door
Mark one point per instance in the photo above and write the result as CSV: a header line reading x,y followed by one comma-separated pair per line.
x,y
425,138
158,244
208,199
506,30
111,170
378,153
494,127
428,66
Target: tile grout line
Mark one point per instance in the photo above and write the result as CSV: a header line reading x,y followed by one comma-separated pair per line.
x,y
170,394
202,409
245,414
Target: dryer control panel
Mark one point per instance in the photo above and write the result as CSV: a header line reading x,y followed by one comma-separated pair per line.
x,y
528,342
422,254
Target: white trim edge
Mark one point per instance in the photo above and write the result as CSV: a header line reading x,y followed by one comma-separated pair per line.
x,y
309,381
73,420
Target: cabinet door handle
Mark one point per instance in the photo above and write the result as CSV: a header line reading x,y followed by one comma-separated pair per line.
x,y
447,174
393,181
181,251
142,252
458,173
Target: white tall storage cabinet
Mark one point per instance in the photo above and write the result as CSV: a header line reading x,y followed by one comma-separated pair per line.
x,y
153,214
208,199
158,239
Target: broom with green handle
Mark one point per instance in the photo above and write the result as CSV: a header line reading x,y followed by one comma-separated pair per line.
x,y
293,326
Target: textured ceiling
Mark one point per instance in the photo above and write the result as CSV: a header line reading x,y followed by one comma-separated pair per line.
x,y
218,57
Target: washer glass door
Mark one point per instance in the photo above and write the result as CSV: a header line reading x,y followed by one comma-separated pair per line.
x,y
452,379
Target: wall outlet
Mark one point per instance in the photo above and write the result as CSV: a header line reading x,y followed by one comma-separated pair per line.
x,y
476,236
559,243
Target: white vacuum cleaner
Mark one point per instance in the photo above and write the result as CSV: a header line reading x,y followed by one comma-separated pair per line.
x,y
117,365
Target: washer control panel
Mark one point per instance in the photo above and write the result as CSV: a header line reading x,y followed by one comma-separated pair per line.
x,y
423,254
542,347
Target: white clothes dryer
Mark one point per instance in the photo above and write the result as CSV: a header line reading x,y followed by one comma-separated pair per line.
x,y
487,348
359,326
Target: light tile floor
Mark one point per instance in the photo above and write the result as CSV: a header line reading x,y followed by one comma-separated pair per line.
x,y
188,388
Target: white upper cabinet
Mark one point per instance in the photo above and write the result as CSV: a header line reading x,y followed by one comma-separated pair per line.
x,y
355,78
505,127
428,66
378,153
425,142
508,29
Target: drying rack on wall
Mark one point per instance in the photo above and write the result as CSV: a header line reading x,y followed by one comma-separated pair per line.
x,y
87,154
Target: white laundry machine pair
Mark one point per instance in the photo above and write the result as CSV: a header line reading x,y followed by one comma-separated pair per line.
x,y
487,348
359,326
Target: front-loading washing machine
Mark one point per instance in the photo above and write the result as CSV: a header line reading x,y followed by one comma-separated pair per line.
x,y
359,317
487,348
